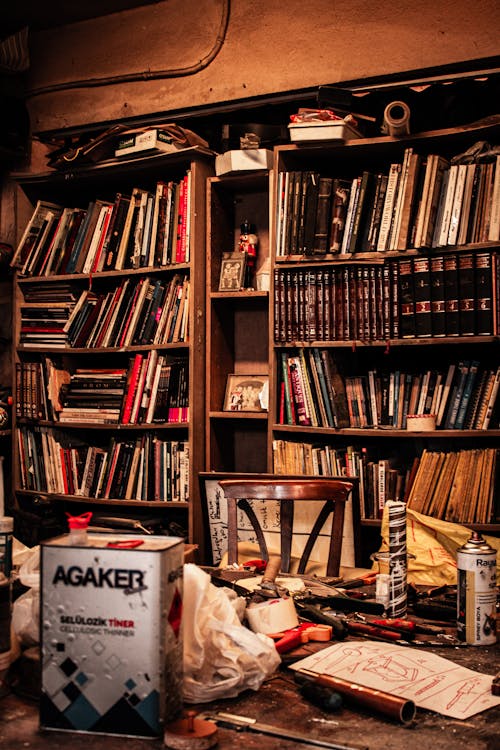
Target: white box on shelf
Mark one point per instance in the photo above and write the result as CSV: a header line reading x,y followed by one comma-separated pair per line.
x,y
322,130
243,160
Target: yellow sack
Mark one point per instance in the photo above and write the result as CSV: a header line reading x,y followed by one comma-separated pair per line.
x,y
434,544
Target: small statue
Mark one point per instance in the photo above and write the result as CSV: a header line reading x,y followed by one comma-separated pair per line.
x,y
248,244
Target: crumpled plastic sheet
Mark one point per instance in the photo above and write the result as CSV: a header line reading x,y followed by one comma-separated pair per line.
x,y
222,657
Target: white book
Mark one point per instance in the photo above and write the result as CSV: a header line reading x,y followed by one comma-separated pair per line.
x,y
457,204
148,226
31,233
373,397
119,296
387,212
121,258
351,210
466,204
60,236
154,389
445,393
97,236
160,186
146,285
396,224
494,229
431,159
448,205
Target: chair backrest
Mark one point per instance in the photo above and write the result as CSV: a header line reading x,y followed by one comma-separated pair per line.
x,y
332,492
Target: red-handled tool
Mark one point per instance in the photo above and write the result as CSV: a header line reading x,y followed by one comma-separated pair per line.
x,y
307,631
372,630
365,580
407,627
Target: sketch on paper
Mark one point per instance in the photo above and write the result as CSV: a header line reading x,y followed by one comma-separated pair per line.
x,y
429,680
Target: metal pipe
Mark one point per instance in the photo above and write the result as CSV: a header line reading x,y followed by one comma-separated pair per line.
x,y
401,709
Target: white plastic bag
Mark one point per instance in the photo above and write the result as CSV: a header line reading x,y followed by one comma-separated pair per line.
x,y
26,608
221,656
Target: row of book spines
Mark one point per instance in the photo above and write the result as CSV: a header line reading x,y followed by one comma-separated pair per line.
x,y
149,311
455,486
422,202
144,469
141,230
312,393
153,390
446,295
381,480
462,398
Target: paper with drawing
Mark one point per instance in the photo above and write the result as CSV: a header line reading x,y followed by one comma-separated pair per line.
x,y
429,680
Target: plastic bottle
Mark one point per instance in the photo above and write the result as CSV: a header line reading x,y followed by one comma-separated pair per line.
x,y
78,528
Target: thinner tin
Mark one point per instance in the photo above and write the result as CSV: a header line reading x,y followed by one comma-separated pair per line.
x,y
476,592
111,634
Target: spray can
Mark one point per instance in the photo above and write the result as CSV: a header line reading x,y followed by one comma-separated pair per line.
x,y
476,592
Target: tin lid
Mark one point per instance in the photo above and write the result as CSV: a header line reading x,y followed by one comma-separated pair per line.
x,y
475,544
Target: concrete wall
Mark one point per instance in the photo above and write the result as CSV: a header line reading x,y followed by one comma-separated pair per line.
x,y
267,47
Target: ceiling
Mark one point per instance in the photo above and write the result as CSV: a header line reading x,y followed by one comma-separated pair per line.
x,y
38,15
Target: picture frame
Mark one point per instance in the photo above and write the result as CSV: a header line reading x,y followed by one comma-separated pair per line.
x,y
246,393
232,272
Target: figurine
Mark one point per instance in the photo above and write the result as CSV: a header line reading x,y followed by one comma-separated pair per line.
x,y
248,244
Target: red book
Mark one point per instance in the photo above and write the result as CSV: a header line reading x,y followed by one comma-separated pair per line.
x,y
131,388
180,222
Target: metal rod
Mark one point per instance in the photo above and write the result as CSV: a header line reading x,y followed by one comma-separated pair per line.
x,y
401,709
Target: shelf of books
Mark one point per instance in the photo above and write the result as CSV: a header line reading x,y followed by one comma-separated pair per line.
x,y
238,322
109,330
385,319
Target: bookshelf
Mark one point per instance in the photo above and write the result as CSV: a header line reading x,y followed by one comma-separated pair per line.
x,y
109,356
237,323
387,302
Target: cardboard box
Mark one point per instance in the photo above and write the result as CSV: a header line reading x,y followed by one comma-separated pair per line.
x,y
327,130
150,140
111,634
243,160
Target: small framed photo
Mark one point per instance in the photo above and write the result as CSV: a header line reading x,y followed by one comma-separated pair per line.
x,y
232,272
246,393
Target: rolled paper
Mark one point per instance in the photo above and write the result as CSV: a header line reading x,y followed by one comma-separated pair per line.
x,y
397,559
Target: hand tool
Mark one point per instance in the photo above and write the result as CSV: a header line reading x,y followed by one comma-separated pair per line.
x,y
365,580
242,723
342,603
316,614
303,633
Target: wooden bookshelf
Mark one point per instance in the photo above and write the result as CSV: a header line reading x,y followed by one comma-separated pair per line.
x,y
77,188
379,349
237,323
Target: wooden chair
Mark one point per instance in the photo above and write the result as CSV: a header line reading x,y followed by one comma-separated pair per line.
x,y
332,492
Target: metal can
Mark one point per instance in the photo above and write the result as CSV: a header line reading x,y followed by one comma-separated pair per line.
x,y
476,592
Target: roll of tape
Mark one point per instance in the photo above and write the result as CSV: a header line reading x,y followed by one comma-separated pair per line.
x,y
272,616
397,119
